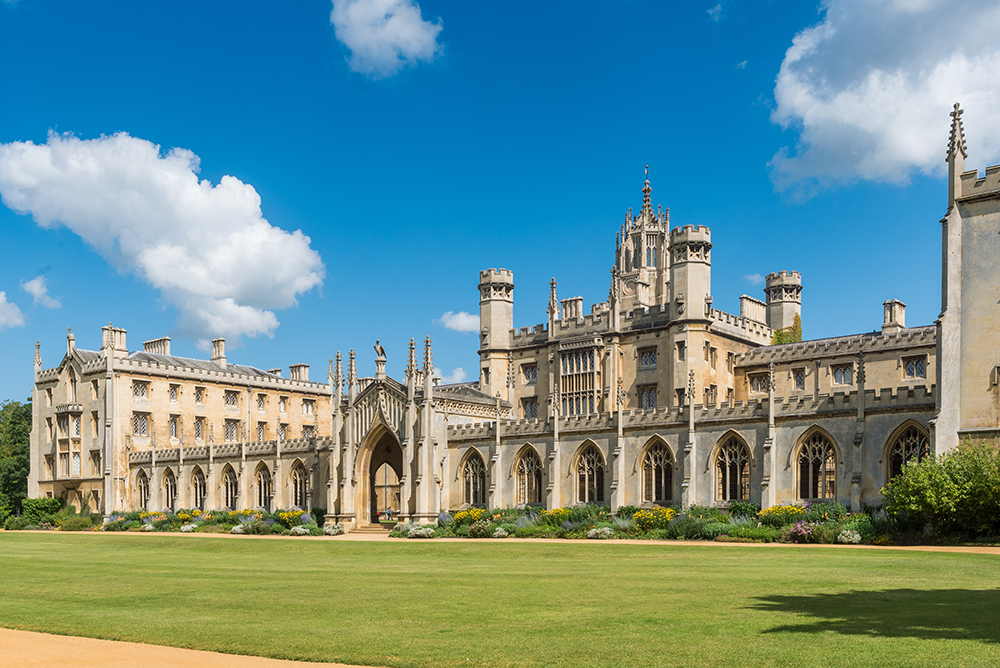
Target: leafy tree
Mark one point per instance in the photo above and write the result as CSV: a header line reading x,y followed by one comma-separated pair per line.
x,y
958,491
791,334
15,430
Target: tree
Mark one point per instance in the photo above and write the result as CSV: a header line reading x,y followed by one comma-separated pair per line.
x,y
791,334
15,431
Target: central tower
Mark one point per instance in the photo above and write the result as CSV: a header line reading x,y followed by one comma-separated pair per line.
x,y
641,259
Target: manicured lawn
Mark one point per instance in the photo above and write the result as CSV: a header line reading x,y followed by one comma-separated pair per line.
x,y
416,603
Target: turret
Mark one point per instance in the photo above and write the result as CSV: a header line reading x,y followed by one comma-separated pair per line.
x,y
690,271
496,320
784,298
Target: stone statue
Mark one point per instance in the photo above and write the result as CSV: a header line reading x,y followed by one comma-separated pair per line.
x,y
379,350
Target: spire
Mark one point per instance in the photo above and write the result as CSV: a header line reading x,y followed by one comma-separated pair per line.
x,y
647,207
329,371
411,359
956,156
956,143
428,358
338,373
352,369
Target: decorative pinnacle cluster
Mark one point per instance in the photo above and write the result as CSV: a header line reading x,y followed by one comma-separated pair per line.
x,y
956,142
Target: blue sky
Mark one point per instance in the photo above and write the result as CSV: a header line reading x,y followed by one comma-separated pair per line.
x,y
397,149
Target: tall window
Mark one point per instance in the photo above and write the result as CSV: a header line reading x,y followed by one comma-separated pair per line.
x,y
199,488
799,376
658,475
590,476
173,426
264,489
199,395
529,478
140,390
232,399
911,446
169,490
308,406
261,430
140,424
817,469
142,489
474,473
579,382
199,428
732,469
230,488
261,402
174,391
530,408
681,351
530,372
232,431
300,487
647,397
647,358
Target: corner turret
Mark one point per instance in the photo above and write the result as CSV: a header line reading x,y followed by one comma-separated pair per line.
x,y
783,290
496,320
690,272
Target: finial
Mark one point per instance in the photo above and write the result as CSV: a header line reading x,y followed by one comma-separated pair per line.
x,y
956,143
38,354
647,207
338,372
411,358
329,371
553,302
428,357
352,369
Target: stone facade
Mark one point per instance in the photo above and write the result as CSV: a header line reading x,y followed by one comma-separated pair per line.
x,y
652,397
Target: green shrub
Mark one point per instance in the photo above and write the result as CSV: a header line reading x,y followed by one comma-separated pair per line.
x,y
707,513
764,534
832,511
827,532
685,527
779,516
955,492
626,511
76,523
35,509
711,530
537,531
743,508
15,523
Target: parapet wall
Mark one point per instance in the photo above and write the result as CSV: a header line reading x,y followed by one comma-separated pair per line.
x,y
914,337
973,186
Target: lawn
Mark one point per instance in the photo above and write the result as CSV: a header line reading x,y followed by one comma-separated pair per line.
x,y
416,603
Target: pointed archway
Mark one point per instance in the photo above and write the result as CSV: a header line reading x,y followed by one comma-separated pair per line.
x,y
380,473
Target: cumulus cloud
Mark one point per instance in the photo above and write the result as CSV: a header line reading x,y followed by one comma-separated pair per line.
x,y
869,88
207,249
754,279
10,314
459,322
384,36
457,375
40,292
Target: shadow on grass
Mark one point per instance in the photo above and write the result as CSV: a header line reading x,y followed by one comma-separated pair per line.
x,y
968,614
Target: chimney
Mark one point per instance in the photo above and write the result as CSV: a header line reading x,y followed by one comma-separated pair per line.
x,y
753,309
219,351
70,341
275,372
894,317
299,372
113,341
160,346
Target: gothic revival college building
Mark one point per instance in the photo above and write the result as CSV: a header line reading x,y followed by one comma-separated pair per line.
x,y
652,397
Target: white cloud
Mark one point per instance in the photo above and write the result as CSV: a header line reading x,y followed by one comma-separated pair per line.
x,y
208,249
754,279
870,87
459,322
742,65
40,292
384,36
716,12
10,314
457,375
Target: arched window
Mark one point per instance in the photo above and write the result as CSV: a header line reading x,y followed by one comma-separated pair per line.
x,y
590,476
300,487
264,489
169,490
199,487
474,473
529,478
732,469
142,489
910,446
230,488
817,468
658,474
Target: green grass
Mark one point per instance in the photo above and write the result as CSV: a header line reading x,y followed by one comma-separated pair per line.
x,y
425,603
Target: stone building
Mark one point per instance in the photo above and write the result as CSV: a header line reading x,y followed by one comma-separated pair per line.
x,y
652,397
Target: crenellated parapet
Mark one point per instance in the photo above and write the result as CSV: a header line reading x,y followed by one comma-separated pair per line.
x,y
691,243
913,337
974,187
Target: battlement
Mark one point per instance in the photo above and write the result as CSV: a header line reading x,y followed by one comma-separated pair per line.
x,y
974,187
526,336
227,450
914,337
496,276
155,368
584,325
690,233
783,278
740,326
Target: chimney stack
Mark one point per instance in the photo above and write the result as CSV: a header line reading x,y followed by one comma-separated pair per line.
x,y
299,372
894,317
160,346
219,351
